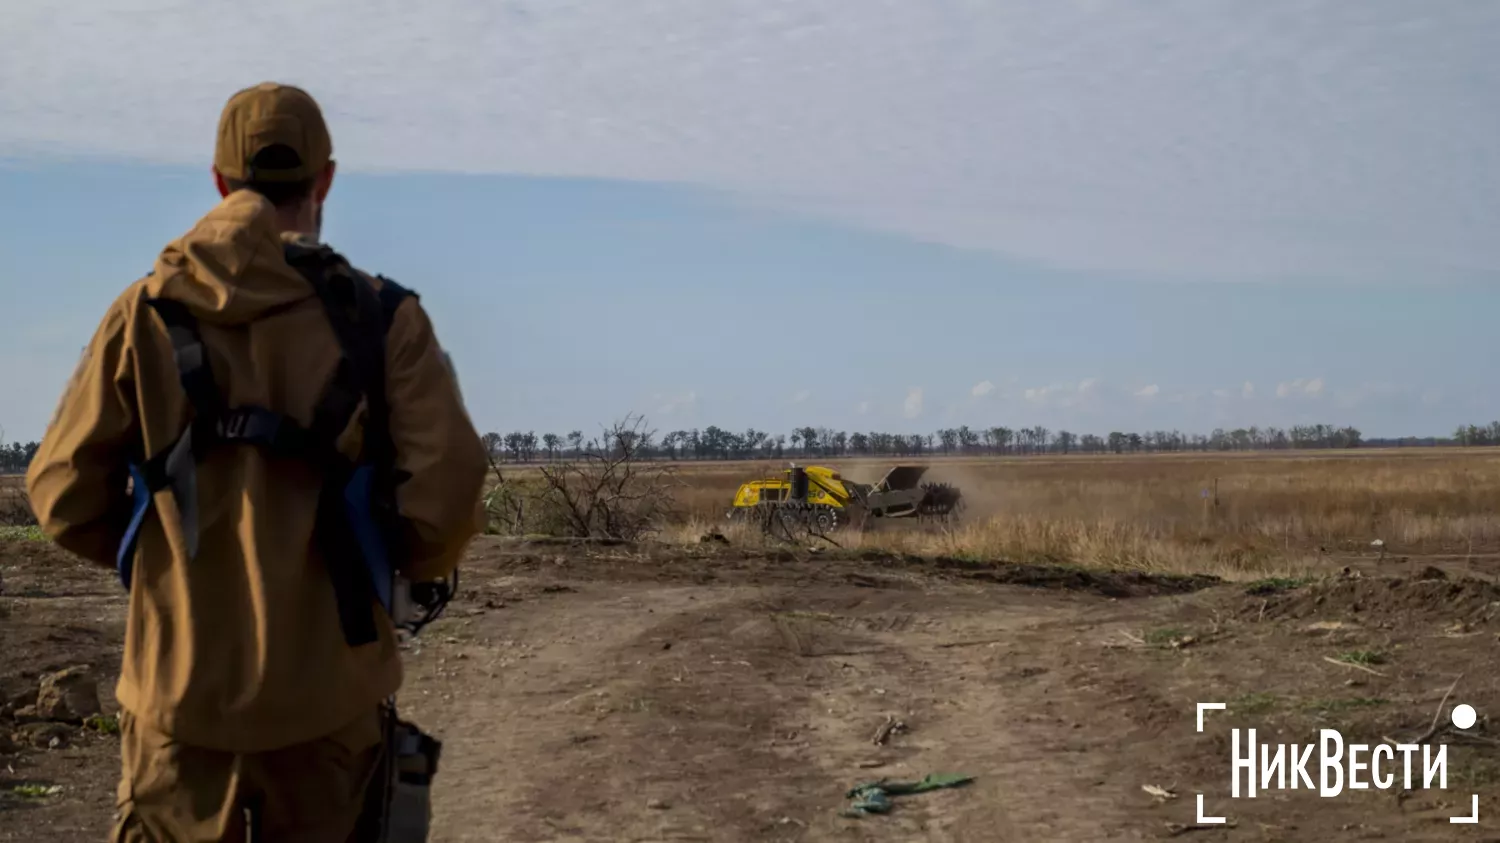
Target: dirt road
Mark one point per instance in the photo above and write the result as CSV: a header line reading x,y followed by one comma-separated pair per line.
x,y
617,695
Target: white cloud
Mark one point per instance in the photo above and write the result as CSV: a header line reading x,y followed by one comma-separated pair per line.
x,y
864,408
1045,394
1247,391
1148,391
912,406
982,389
801,396
1138,130
1300,386
1065,395
674,404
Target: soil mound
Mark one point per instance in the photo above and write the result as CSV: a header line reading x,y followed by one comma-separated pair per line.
x,y
1432,597
1060,577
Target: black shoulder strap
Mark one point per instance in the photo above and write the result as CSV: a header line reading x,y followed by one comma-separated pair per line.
x,y
176,466
360,318
191,358
391,297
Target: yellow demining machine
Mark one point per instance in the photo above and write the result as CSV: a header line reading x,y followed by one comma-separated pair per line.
x,y
821,501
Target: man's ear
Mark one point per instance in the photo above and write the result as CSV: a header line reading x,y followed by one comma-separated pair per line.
x,y
325,183
219,182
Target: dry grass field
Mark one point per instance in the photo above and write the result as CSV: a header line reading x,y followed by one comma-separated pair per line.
x,y
1237,515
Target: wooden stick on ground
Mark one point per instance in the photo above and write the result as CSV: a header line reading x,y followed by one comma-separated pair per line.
x,y
888,728
1332,660
1174,829
1437,716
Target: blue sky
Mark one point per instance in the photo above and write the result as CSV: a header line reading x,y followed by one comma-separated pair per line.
x,y
1084,216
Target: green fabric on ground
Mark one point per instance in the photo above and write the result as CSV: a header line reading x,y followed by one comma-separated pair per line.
x,y
875,797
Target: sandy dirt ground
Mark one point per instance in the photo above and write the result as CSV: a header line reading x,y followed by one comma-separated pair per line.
x,y
618,694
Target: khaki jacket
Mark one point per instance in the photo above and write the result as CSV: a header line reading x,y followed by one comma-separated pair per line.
x,y
241,650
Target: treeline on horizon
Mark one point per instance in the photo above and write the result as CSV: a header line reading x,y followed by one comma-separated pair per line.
x,y
717,443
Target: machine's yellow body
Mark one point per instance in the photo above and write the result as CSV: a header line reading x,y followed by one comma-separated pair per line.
x,y
821,498
825,486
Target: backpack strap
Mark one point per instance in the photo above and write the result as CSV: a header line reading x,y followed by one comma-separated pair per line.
x,y
362,531
358,525
432,597
176,466
391,297
212,423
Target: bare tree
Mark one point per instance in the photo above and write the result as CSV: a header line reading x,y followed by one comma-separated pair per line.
x,y
1002,437
515,442
1065,441
494,443
609,491
967,439
949,437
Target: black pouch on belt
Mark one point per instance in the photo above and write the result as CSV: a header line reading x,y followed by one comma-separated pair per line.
x,y
398,803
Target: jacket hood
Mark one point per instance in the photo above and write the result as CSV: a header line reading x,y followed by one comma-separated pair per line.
x,y
230,267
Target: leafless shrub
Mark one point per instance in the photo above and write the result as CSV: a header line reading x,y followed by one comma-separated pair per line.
x,y
504,503
607,490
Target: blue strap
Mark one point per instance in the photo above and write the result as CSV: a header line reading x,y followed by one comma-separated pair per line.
x,y
357,498
140,504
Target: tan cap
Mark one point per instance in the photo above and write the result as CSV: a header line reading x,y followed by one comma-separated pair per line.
x,y
266,115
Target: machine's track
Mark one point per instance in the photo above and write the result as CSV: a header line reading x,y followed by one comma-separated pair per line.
x,y
792,517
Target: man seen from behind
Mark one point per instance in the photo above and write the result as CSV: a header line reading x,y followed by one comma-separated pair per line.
x,y
256,660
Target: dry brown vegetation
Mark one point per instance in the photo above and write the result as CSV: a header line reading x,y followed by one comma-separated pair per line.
x,y
1264,513
1236,515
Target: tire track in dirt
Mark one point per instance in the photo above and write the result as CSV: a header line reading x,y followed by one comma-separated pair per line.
x,y
991,717
743,713
638,717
